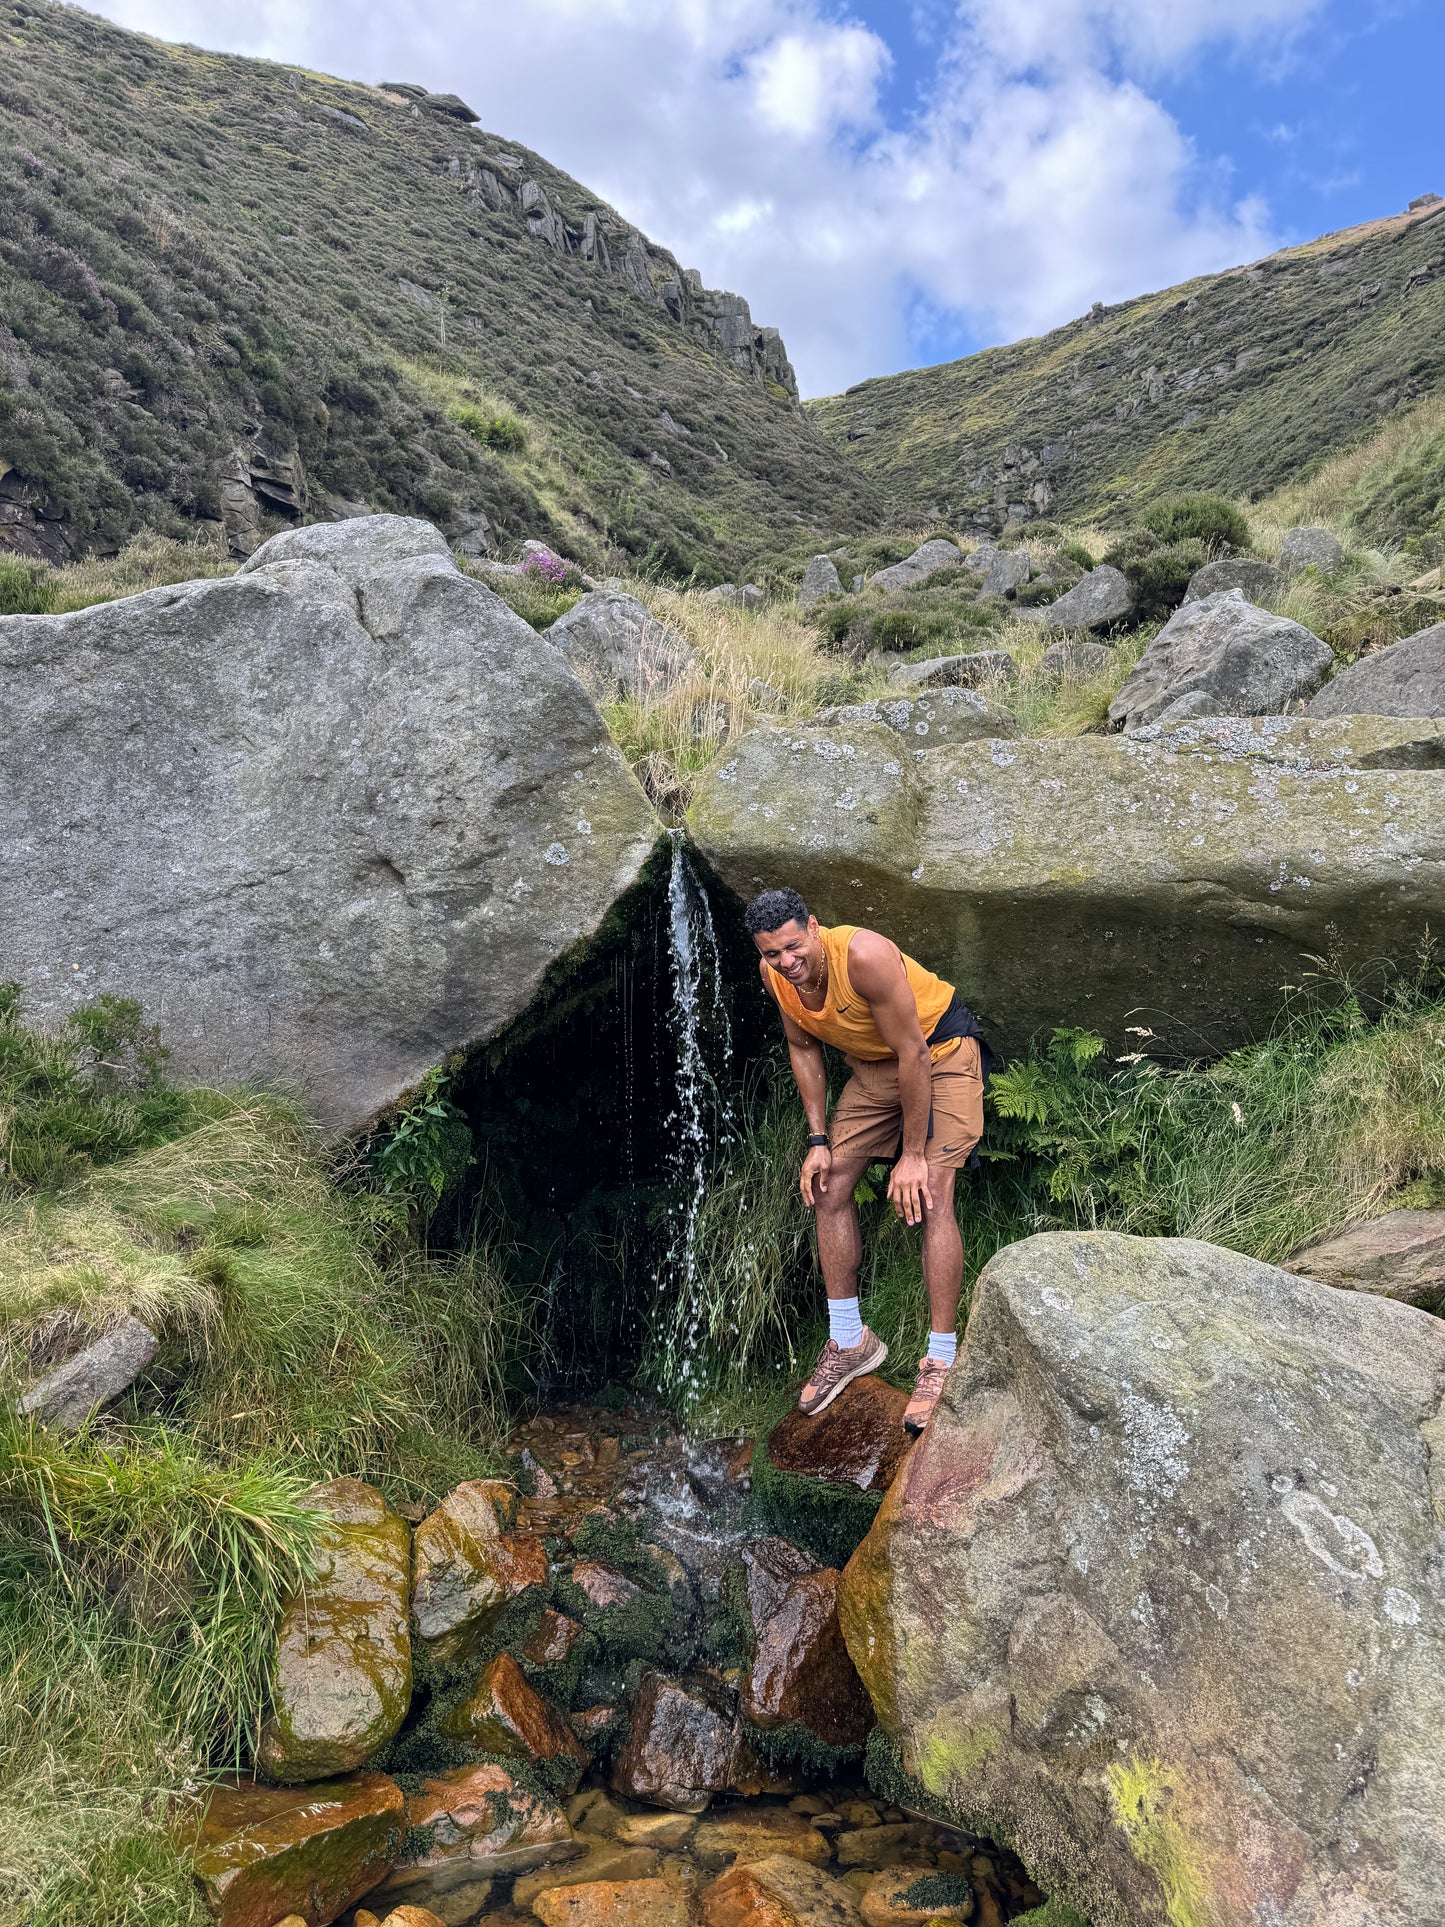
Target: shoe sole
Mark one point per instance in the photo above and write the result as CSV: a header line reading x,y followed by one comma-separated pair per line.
x,y
916,1427
858,1371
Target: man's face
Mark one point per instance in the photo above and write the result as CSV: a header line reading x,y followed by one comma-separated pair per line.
x,y
793,951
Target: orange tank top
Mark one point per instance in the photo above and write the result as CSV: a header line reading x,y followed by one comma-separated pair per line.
x,y
846,1021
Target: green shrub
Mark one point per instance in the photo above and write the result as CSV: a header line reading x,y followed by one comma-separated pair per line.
x,y
834,619
1211,519
26,588
1076,552
1158,571
504,434
895,629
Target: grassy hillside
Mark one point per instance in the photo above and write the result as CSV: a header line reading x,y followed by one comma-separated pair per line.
x,y
221,277
1240,382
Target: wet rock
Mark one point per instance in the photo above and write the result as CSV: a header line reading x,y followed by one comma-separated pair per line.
x,y
504,1715
172,788
977,669
756,1833
620,649
407,1916
604,1861
341,1681
1222,657
472,1824
858,1440
884,1846
656,1829
1158,1587
801,1673
1102,598
770,1566
552,1639
684,1747
617,1903
1407,679
1257,581
1076,659
264,1852
820,579
468,1568
912,1896
603,1587
924,562
1401,1255
91,1377
946,715
779,1892
1310,549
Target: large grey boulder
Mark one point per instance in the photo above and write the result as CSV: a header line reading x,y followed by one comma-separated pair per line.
x,y
746,595
323,848
1221,656
1310,549
981,560
1259,581
1157,1595
925,561
1008,571
618,648
1175,879
1400,1255
1407,679
979,667
1099,600
1076,659
927,717
92,1377
820,579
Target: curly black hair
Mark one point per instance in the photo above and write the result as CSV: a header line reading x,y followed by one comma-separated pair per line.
x,y
773,908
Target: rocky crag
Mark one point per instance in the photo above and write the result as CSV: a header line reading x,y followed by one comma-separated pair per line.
x,y
233,289
1239,381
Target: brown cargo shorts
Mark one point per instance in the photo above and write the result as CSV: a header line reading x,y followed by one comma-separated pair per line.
x,y
867,1120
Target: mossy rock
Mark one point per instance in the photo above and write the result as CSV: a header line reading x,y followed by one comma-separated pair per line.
x,y
830,1521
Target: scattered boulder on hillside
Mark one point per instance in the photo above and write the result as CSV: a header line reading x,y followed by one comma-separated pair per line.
x,y
1076,658
1258,581
746,595
95,1375
1008,571
341,1682
1097,601
1175,878
1310,549
266,1853
980,560
1406,679
820,579
954,672
925,561
932,716
322,849
466,1827
619,649
1156,1595
1400,1255
1221,656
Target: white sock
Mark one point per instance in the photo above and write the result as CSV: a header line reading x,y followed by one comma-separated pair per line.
x,y
845,1324
943,1346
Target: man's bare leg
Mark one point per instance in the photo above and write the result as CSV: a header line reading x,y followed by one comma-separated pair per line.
x,y
840,1241
943,1277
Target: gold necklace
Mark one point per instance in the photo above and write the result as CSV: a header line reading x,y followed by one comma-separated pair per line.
x,y
822,977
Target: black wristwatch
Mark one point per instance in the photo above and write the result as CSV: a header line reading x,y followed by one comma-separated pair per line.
x,y
818,1141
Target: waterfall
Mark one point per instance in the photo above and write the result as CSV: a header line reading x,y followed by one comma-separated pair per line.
x,y
702,1115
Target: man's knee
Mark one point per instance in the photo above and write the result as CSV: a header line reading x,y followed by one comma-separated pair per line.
x,y
940,1184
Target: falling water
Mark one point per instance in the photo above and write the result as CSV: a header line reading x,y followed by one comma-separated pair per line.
x,y
703,1111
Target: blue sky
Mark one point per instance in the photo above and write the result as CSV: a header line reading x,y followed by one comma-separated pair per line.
x,y
893,185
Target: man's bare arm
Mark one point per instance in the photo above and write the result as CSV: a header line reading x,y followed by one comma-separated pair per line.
x,y
810,1074
876,968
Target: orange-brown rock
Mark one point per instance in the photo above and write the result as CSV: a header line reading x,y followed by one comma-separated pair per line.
x,y
413,1917
801,1672
468,1567
617,1903
603,1587
780,1892
552,1639
770,1566
593,1721
478,1823
739,1834
914,1896
604,1860
857,1440
504,1715
264,1852
685,1746
341,1680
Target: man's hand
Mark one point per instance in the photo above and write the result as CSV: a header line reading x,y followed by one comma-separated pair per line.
x,y
908,1190
817,1164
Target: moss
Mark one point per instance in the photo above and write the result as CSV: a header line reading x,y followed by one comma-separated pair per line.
x,y
793,1751
939,1890
830,1521
948,1759
1143,1805
1053,1913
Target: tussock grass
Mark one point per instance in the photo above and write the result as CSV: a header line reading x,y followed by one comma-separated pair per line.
x,y
148,561
1340,489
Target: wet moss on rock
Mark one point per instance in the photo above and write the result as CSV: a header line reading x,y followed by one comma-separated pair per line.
x,y
830,1521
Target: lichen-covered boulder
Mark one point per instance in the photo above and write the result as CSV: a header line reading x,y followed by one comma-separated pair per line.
x,y
328,822
468,1825
927,717
1399,1255
467,1568
1259,582
100,1371
820,579
265,1852
1220,656
1156,1597
620,649
926,560
1310,549
1097,601
977,669
341,1683
1407,679
1173,879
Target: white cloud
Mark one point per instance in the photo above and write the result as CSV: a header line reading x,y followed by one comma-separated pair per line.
x,y
1038,174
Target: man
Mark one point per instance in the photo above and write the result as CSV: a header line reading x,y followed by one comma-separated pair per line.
x,y
916,1097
